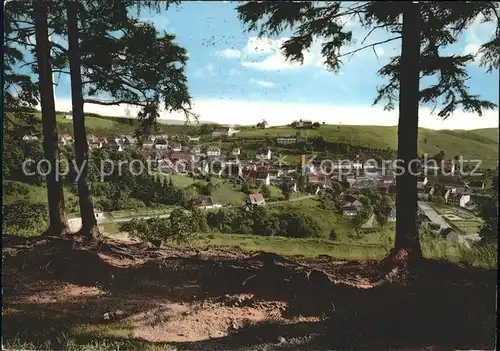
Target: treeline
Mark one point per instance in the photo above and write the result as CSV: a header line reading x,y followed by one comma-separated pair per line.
x,y
256,220
129,186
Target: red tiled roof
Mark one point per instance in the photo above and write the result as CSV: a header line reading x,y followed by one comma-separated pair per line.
x,y
256,197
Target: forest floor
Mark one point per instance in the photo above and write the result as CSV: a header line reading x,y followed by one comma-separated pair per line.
x,y
123,295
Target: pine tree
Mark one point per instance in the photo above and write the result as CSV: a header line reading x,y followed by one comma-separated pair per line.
x,y
58,224
125,67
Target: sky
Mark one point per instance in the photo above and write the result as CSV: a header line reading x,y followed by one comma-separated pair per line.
x,y
235,77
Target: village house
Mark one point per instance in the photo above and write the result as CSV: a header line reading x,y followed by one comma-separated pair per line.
x,y
91,138
357,166
224,131
95,145
176,147
386,180
350,206
286,140
275,174
68,115
263,124
65,139
458,197
114,144
160,143
182,156
148,145
421,181
318,179
260,175
196,150
129,141
166,166
264,154
213,151
303,124
232,170
475,184
193,140
392,216
256,199
308,169
205,203
236,151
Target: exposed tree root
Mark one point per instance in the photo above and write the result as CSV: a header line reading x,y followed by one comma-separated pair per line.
x,y
60,231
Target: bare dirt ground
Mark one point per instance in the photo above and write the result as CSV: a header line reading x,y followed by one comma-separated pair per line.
x,y
224,298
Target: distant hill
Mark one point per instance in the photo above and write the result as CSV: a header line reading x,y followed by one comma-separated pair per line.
x,y
479,144
180,122
115,126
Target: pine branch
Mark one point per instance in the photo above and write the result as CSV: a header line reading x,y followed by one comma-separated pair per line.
x,y
369,46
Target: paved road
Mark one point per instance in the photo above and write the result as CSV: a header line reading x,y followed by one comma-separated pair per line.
x,y
433,215
75,223
292,200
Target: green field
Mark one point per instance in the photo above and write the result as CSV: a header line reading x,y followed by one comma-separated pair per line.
x,y
309,247
467,226
229,194
463,220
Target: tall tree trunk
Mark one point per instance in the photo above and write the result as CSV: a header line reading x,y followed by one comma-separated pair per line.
x,y
58,221
407,237
89,222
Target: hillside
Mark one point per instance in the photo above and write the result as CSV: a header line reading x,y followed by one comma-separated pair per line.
x,y
475,144
113,126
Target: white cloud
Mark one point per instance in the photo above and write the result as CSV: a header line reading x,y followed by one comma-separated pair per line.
x,y
477,34
229,53
233,72
274,59
262,83
278,113
256,45
278,62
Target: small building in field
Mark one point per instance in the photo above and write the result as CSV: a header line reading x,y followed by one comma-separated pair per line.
x,y
224,131
286,140
213,151
256,199
206,203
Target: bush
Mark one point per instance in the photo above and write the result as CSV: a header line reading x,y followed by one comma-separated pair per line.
x,y
265,192
177,228
333,235
25,217
259,221
295,225
15,188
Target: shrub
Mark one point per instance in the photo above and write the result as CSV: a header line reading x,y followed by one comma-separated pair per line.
x,y
177,228
333,235
24,217
265,192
